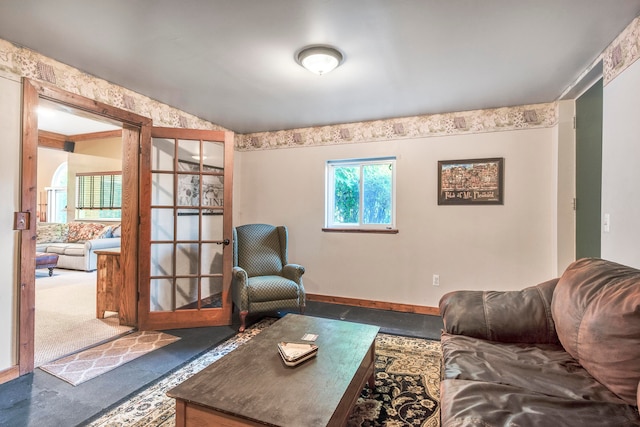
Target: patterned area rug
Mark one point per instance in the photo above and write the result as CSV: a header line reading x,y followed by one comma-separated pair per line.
x,y
407,386
88,364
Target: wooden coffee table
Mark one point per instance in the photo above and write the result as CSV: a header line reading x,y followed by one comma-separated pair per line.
x,y
252,385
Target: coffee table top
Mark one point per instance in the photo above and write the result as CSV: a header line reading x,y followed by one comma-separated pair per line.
x,y
253,382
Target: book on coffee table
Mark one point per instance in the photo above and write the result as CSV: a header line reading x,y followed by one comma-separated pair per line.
x,y
295,353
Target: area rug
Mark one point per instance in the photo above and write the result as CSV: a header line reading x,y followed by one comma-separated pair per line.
x,y
407,386
88,364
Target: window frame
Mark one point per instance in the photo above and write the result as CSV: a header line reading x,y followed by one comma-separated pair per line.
x,y
106,202
330,167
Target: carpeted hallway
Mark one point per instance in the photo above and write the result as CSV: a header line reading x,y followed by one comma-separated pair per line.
x,y
40,399
65,319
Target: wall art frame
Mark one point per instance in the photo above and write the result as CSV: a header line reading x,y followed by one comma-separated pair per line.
x,y
471,181
188,196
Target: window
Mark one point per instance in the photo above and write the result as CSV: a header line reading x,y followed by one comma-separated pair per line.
x,y
360,194
99,195
56,199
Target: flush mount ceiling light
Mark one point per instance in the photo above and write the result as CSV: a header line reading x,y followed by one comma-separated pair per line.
x,y
319,59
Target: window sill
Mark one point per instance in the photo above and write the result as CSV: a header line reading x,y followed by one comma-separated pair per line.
x,y
361,230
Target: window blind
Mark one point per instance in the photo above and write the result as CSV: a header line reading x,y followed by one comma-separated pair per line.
x,y
99,191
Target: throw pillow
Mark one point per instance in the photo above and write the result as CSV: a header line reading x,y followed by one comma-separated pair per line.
x,y
117,231
80,232
52,233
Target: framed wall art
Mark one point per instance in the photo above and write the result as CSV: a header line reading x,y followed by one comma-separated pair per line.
x,y
471,182
189,189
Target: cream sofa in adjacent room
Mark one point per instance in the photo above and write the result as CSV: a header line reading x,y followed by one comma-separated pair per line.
x,y
75,243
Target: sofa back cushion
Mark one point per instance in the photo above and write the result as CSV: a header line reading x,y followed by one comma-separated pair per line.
x,y
522,316
80,232
596,309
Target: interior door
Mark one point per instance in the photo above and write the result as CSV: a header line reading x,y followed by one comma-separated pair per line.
x,y
185,228
589,172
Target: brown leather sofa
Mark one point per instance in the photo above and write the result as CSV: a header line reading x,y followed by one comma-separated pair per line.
x,y
563,353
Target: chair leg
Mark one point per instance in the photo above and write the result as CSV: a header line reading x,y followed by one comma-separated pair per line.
x,y
302,307
243,319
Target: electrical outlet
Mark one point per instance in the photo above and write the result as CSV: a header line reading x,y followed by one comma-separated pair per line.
x,y
436,280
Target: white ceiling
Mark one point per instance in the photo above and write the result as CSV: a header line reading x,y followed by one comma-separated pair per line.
x,y
232,62
60,119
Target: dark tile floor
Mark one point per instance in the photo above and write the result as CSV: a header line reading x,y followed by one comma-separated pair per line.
x,y
42,400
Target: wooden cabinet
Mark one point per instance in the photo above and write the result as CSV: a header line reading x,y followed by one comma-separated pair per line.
x,y
109,295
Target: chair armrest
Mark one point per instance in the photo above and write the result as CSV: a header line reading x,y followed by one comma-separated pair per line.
x,y
510,316
293,272
239,294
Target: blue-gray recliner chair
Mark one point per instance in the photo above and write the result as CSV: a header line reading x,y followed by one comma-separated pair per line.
x,y
263,279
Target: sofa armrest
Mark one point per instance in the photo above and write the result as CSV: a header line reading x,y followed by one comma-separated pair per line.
x,y
90,246
510,316
106,243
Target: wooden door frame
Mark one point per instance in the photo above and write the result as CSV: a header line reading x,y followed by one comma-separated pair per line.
x,y
134,127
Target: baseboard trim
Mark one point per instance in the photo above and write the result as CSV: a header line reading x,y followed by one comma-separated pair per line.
x,y
380,305
9,374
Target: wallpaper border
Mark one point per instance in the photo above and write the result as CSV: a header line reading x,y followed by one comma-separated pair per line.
x,y
459,123
622,52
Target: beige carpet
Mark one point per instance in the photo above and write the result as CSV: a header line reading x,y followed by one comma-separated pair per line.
x,y
88,364
65,320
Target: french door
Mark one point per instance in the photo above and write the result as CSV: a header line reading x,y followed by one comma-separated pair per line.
x,y
185,258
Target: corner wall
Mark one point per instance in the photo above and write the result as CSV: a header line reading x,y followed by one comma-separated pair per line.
x,y
470,247
620,170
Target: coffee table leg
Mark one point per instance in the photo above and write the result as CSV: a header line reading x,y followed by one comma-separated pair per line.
x,y
372,382
50,271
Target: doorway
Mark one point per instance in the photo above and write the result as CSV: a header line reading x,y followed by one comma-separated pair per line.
x,y
162,294
589,172
132,127
74,146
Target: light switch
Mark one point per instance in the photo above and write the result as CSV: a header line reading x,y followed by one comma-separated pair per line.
x,y
606,223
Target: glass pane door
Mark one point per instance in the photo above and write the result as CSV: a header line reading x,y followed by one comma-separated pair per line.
x,y
189,264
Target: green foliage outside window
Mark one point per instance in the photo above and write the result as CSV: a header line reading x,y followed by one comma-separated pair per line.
x,y
347,195
375,181
377,194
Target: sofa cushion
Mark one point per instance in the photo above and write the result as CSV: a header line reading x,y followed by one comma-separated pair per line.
x,y
507,316
484,404
57,248
52,233
80,232
596,309
540,368
75,249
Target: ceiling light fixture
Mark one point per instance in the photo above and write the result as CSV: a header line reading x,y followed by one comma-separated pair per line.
x,y
319,59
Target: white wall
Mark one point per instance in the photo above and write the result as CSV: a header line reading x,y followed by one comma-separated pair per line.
x,y
10,131
470,247
566,184
620,167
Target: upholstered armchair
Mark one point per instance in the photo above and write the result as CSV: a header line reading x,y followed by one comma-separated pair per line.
x,y
263,279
